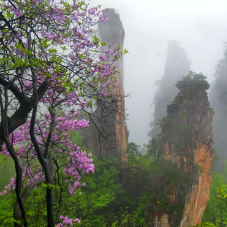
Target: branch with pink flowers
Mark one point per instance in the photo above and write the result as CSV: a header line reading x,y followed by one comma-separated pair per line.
x,y
53,67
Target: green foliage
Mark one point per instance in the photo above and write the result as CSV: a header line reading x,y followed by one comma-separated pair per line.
x,y
164,186
113,196
193,81
212,112
100,191
215,157
216,210
169,190
206,224
164,122
153,147
7,200
6,171
134,153
89,204
36,207
194,76
6,209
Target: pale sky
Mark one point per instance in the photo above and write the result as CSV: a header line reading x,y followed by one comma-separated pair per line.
x,y
199,25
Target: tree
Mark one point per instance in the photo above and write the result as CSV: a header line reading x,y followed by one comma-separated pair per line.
x,y
216,211
53,66
133,151
216,208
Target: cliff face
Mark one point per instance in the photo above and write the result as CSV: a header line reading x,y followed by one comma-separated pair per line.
x,y
197,199
113,32
176,66
186,141
106,135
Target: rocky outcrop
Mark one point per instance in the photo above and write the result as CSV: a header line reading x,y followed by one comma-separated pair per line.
x,y
113,32
176,66
186,141
106,135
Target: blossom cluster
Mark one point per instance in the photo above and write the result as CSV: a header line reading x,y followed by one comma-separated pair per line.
x,y
57,43
78,161
67,221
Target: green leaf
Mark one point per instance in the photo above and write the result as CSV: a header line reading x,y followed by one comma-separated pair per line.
x,y
96,40
90,103
2,160
126,51
52,51
103,44
63,48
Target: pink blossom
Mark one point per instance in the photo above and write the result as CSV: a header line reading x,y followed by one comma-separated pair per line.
x,y
87,67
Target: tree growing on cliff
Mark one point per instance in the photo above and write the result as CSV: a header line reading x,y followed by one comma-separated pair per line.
x,y
53,65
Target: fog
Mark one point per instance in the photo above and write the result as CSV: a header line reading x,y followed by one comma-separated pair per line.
x,y
199,25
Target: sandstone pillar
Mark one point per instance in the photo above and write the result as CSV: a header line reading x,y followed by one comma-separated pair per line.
x,y
186,141
106,136
112,31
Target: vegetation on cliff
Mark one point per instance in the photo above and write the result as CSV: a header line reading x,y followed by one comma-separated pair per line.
x,y
131,195
114,195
